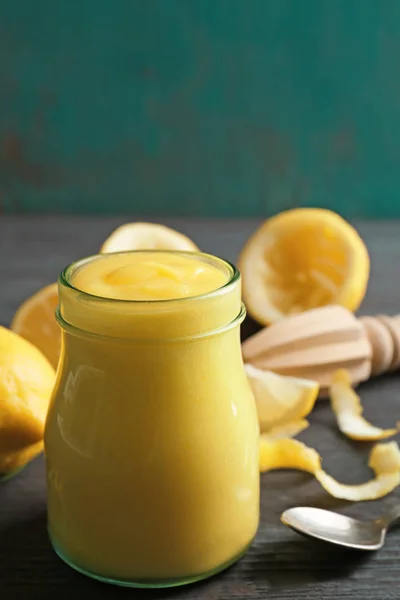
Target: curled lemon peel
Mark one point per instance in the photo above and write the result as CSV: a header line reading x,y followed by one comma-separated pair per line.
x,y
346,405
384,460
288,430
287,454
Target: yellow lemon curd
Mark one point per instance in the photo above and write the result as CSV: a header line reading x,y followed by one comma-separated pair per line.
x,y
151,438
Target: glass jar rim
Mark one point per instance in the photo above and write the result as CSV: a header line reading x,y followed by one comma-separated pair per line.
x,y
234,275
77,331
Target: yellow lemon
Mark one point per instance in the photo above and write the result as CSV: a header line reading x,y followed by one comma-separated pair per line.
x,y
302,259
36,322
26,383
281,400
147,236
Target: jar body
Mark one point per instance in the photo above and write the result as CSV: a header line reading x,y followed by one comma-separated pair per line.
x,y
152,457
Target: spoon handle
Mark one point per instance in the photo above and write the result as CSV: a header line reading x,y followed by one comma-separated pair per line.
x,y
391,516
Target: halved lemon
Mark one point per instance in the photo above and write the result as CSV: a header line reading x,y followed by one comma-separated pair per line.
x,y
302,259
35,321
147,236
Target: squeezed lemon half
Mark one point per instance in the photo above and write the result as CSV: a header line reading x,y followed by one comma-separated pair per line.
x,y
36,322
146,236
302,259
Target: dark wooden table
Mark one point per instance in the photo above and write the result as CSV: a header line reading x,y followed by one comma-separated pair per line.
x,y
280,564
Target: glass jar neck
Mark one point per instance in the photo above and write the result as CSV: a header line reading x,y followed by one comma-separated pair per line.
x,y
151,320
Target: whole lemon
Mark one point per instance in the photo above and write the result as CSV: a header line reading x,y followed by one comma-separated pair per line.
x,y
26,383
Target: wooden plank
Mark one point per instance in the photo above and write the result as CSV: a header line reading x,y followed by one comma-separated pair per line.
x,y
280,565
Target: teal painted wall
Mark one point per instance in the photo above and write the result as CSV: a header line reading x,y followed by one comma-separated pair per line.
x,y
203,107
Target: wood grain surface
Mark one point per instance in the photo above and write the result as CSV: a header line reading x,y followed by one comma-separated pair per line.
x,y
280,564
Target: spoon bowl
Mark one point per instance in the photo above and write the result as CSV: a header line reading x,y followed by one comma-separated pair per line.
x,y
338,529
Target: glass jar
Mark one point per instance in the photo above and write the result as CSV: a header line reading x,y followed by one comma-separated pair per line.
x,y
151,439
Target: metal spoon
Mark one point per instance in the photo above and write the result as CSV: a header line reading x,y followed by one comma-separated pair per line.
x,y
338,529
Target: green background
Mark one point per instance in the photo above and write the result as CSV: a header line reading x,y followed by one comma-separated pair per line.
x,y
200,107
